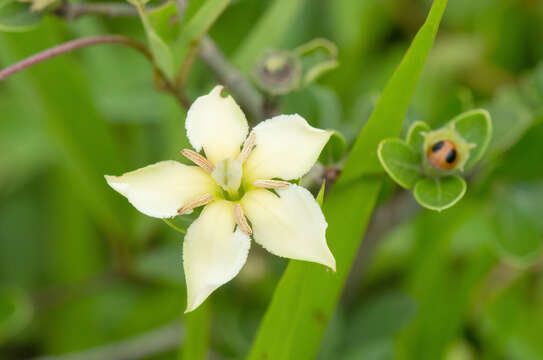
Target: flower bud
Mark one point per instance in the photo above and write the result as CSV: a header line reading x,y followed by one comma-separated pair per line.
x,y
278,72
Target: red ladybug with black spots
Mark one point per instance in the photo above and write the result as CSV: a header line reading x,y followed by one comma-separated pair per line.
x,y
443,155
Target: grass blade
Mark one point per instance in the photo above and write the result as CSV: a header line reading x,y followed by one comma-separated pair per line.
x,y
307,293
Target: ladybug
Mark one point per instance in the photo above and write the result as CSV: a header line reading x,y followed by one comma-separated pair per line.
x,y
443,155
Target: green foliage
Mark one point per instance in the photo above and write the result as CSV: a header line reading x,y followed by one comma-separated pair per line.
x,y
475,127
197,26
197,341
439,193
401,162
306,295
334,150
15,313
517,223
407,163
320,194
80,270
268,32
162,53
15,16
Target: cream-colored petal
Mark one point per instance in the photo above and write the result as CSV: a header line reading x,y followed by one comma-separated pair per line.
x,y
160,189
213,253
286,147
290,225
216,124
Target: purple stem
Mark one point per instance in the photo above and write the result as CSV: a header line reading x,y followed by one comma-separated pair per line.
x,y
73,45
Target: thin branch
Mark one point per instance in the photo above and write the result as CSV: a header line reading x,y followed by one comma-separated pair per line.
x,y
250,99
162,83
71,46
73,11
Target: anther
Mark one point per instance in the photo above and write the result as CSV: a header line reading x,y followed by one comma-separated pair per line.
x,y
202,200
271,184
247,147
241,220
198,160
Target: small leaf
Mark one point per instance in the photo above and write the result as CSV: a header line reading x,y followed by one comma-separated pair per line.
x,y
440,193
334,150
160,50
165,20
414,136
400,161
320,195
475,127
16,16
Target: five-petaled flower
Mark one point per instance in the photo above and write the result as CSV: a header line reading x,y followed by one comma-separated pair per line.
x,y
236,181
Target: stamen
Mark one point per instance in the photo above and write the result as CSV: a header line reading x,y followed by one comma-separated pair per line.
x,y
247,147
198,160
271,184
202,200
241,220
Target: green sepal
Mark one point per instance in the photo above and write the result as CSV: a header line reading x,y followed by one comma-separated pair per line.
x,y
16,16
334,150
320,195
439,193
400,161
415,137
475,127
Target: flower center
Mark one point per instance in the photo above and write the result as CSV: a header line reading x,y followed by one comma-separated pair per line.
x,y
227,175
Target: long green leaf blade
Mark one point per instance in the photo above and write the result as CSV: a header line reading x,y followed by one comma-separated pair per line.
x,y
307,293
269,31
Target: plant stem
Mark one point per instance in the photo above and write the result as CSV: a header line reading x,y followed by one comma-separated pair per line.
x,y
197,325
161,80
71,46
170,224
72,11
249,98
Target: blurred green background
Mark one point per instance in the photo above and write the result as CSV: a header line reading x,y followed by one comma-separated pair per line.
x,y
83,273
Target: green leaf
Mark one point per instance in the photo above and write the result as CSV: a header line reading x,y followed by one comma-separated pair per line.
x,y
15,313
307,293
268,32
162,53
380,318
16,16
414,136
334,150
196,342
400,161
517,223
475,127
164,20
440,193
198,25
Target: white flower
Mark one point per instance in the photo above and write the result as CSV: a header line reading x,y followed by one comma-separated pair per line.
x,y
236,181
